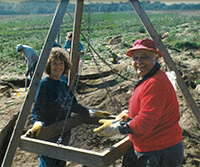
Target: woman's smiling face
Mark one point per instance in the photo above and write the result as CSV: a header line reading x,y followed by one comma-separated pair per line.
x,y
144,61
57,68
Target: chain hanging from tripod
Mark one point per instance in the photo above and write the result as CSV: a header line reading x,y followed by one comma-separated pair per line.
x,y
90,51
112,98
68,108
75,80
89,21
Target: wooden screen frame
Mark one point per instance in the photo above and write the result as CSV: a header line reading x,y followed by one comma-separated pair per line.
x,y
73,154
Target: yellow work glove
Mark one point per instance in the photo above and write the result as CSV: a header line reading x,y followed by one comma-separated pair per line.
x,y
123,115
99,113
109,128
35,130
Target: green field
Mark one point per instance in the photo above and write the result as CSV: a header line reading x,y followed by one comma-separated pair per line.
x,y
32,30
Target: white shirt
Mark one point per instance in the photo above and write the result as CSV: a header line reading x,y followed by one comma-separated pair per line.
x,y
30,55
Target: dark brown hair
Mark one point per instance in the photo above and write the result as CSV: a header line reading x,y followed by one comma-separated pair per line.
x,y
69,34
58,54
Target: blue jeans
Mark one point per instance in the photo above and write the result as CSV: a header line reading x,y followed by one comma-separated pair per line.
x,y
32,69
169,157
52,162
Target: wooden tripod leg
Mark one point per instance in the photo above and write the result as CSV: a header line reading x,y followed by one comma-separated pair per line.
x,y
168,60
18,129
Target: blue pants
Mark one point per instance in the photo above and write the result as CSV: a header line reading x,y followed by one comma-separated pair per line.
x,y
52,162
32,69
169,157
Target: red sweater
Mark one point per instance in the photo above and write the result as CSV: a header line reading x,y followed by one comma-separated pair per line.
x,y
154,110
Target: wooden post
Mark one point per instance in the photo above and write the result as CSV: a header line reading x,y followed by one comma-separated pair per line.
x,y
75,43
168,60
18,129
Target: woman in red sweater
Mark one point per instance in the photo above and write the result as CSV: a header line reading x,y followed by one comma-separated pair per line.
x,y
152,121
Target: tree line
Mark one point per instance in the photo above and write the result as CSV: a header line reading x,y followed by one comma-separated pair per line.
x,y
48,7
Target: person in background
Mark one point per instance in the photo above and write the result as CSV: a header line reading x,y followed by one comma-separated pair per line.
x,y
152,121
31,58
67,47
55,101
68,43
56,44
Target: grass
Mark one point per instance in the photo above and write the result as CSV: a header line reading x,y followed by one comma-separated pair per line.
x,y
32,30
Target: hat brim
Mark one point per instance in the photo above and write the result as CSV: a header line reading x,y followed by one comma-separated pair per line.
x,y
129,52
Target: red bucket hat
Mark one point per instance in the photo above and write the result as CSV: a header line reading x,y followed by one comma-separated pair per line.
x,y
146,44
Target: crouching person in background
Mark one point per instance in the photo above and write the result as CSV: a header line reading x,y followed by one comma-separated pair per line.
x,y
31,57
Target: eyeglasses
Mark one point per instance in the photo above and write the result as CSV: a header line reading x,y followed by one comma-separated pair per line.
x,y
136,58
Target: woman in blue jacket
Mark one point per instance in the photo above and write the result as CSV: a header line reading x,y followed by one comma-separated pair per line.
x,y
55,101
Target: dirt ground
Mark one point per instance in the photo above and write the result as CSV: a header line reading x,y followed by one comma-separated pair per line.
x,y
110,94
